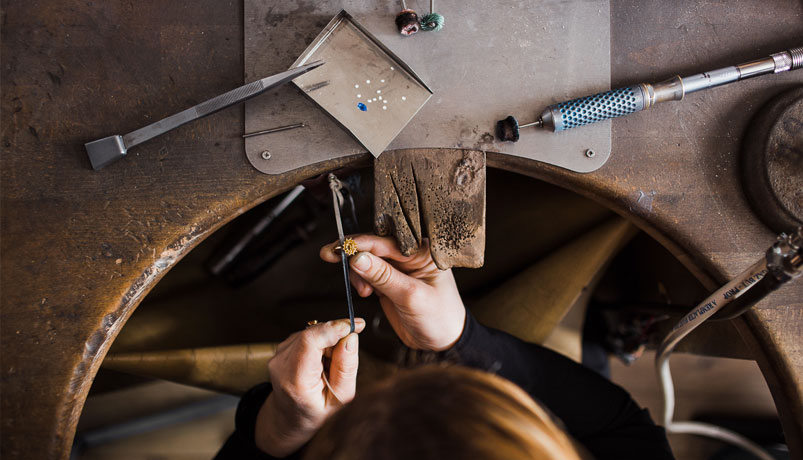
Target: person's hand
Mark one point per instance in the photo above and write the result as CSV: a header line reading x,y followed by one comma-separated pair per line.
x,y
421,301
301,401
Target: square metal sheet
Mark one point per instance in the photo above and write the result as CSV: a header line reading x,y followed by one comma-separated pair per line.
x,y
363,85
492,59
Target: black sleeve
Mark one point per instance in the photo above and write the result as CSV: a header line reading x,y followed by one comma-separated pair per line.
x,y
241,444
596,412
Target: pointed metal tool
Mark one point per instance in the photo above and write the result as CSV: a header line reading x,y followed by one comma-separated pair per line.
x,y
110,149
623,101
337,200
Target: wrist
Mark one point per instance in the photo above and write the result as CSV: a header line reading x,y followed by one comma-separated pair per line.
x,y
456,323
279,432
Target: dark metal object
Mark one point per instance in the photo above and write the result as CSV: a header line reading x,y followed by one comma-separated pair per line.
x,y
772,162
224,262
110,149
318,86
274,130
253,263
248,252
338,201
623,101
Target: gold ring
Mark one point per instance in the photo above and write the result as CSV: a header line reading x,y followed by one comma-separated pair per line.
x,y
349,247
312,322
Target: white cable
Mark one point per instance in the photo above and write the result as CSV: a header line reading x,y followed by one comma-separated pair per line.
x,y
730,291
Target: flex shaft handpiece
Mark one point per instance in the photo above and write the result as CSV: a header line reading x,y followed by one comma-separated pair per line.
x,y
642,96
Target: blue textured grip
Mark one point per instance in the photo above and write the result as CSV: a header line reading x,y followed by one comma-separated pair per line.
x,y
601,106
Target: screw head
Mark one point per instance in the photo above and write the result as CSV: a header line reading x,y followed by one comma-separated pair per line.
x,y
590,153
265,155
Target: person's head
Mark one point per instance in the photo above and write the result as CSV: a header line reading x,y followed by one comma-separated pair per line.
x,y
436,412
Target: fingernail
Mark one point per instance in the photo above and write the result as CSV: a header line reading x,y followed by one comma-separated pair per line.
x,y
351,343
361,262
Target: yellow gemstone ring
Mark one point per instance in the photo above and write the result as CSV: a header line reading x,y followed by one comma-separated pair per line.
x,y
349,247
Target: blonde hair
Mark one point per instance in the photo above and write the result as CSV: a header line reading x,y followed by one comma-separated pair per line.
x,y
436,412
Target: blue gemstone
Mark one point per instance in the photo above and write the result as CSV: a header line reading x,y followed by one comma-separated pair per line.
x,y
362,106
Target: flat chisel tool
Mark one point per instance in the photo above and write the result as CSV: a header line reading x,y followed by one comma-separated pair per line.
x,y
110,149
642,96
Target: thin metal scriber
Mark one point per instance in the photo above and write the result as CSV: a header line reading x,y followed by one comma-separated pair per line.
x,y
274,130
337,202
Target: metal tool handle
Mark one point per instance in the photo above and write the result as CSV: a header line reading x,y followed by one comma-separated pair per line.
x,y
624,101
210,106
591,109
193,113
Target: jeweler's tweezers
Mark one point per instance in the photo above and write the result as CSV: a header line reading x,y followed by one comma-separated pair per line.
x,y
109,149
337,201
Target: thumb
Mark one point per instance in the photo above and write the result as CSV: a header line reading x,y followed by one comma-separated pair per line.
x,y
343,368
384,277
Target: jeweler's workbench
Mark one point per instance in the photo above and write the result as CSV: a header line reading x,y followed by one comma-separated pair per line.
x,y
80,249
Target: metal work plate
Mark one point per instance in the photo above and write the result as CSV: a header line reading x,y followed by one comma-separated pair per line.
x,y
492,59
363,85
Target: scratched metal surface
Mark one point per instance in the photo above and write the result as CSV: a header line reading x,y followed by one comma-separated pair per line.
x,y
548,52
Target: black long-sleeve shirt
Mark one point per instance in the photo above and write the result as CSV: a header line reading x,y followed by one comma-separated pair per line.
x,y
599,414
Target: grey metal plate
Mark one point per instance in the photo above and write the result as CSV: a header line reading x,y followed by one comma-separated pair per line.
x,y
492,59
363,85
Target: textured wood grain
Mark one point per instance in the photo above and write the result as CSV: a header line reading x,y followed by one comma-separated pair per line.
x,y
434,194
80,248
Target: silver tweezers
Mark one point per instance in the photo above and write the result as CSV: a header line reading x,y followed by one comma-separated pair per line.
x,y
337,201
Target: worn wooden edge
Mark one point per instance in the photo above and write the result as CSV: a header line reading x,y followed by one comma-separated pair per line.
x,y
777,371
99,342
775,367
